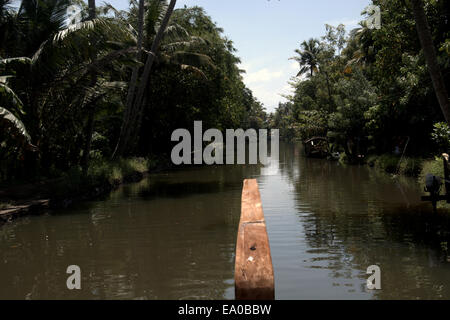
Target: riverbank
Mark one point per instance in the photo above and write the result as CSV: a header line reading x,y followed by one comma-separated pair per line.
x,y
417,168
396,165
102,178
412,167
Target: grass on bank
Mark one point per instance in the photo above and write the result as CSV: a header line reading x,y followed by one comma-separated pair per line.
x,y
396,165
101,174
414,167
116,172
434,166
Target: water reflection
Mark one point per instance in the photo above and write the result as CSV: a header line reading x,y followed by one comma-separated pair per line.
x,y
346,219
173,236
169,237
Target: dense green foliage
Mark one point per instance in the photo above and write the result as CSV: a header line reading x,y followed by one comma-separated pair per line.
x,y
371,91
58,78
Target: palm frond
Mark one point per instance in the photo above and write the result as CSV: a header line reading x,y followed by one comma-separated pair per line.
x,y
13,65
192,59
156,10
101,89
107,7
87,25
13,125
183,45
174,32
9,97
71,50
195,70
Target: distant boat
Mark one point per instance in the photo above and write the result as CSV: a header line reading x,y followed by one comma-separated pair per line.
x,y
317,147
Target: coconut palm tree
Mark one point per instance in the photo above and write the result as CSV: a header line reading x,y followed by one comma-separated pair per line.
x,y
157,13
91,117
360,48
68,74
163,41
36,21
308,57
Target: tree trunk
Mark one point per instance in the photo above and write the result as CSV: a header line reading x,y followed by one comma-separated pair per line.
x,y
91,117
136,112
426,40
92,9
330,99
125,129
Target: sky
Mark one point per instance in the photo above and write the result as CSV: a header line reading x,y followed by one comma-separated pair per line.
x,y
266,33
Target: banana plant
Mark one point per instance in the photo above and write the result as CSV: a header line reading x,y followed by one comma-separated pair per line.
x,y
13,126
10,124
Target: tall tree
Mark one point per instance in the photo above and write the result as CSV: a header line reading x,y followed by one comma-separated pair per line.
x,y
426,40
92,8
124,133
132,122
91,117
308,57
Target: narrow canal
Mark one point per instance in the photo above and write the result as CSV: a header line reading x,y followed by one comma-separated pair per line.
x,y
173,236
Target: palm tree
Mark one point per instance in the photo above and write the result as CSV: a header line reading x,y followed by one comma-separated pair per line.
x,y
426,39
166,42
308,57
91,117
36,21
57,82
11,107
125,130
134,109
360,47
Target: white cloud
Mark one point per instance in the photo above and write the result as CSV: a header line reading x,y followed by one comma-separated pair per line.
x,y
295,66
263,75
269,84
270,97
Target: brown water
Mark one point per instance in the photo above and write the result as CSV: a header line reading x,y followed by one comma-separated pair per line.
x,y
173,236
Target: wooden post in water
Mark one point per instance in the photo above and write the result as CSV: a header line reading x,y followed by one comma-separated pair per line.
x,y
445,157
254,277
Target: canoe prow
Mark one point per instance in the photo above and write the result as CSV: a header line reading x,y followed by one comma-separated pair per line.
x,y
254,276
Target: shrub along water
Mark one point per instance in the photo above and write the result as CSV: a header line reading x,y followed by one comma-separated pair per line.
x,y
396,165
101,177
414,167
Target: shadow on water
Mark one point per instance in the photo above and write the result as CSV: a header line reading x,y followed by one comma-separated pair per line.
x,y
183,189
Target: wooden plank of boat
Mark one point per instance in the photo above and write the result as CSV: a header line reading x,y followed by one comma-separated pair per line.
x,y
254,276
